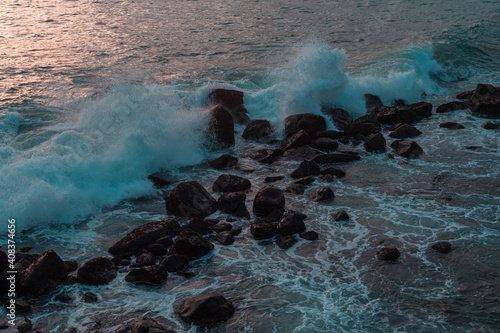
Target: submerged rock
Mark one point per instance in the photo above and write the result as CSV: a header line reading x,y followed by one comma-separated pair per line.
x,y
97,271
203,310
452,125
90,297
267,200
191,244
43,275
190,199
443,247
257,129
388,253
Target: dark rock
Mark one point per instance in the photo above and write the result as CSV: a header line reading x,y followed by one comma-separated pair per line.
x,y
268,199
69,280
388,115
44,274
145,259
97,271
143,236
221,126
465,95
491,126
224,238
325,144
222,162
185,274
443,247
23,325
25,249
149,326
334,135
175,262
267,156
388,253
327,178
373,104
399,102
207,309
70,265
405,131
423,109
222,226
308,122
407,115
90,297
301,138
232,100
452,106
291,223
305,181
341,215
451,125
484,91
190,199
336,158
285,242
300,154
305,169
257,129
20,306
63,298
341,118
230,183
233,203
159,182
165,241
322,194
273,179
295,189
376,143
489,106
191,244
263,230
203,227
407,148
333,171
362,126
309,235
154,274
157,249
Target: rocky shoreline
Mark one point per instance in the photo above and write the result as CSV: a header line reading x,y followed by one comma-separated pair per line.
x,y
151,251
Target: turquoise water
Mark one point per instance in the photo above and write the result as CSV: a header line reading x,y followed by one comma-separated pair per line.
x,y
97,95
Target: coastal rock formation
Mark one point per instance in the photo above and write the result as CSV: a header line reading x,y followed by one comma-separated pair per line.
x,y
191,244
407,148
221,126
308,122
322,194
404,131
232,100
305,169
267,200
257,129
230,183
175,262
234,204
97,271
190,199
153,274
375,143
291,223
301,138
44,274
263,230
373,104
222,162
203,310
340,117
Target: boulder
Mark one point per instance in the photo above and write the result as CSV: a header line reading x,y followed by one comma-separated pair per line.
x,y
305,181
301,138
399,102
465,95
263,230
452,106
222,226
407,148
175,262
145,259
207,309
484,91
376,143
257,129
90,297
154,274
451,125
149,326
364,126
267,156
388,253
443,247
405,131
308,122
333,171
489,106
336,158
234,204
423,109
325,144
373,104
222,162
291,223
309,235
190,199
267,200
97,271
341,118
491,126
201,226
322,194
341,215
407,115
224,238
157,249
44,274
221,127
388,115
285,242
305,169
231,183
144,235
232,100
191,244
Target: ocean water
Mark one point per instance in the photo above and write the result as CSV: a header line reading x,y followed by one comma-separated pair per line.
x,y
97,95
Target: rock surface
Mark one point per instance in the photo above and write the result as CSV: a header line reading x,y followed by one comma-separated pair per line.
x,y
44,274
268,200
191,244
257,129
207,309
388,253
308,122
97,271
190,199
231,183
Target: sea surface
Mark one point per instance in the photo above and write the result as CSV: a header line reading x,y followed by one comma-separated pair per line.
x,y
97,95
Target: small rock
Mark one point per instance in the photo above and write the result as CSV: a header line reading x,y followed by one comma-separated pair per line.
x,y
230,183
263,230
190,199
63,298
322,194
375,143
373,103
305,169
341,215
423,109
295,189
154,274
301,138
308,122
405,131
305,181
233,203
222,162
388,253
97,271
236,231
267,156
166,241
224,238
90,297
309,235
285,242
491,126
336,158
273,179
24,325
325,144
407,148
201,226
191,244
222,226
145,259
452,106
206,309
451,125
257,129
291,223
443,247
25,249
175,262
267,200
407,115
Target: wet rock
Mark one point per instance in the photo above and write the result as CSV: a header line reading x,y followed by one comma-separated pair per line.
x,y
145,259
267,200
149,326
373,103
341,118
291,223
267,156
336,158
308,122
333,171
236,231
451,125
175,262
159,182
388,253
399,102
388,115
257,129
143,236
305,169
309,235
44,274
452,106
364,126
224,238
465,95
90,297
157,249
489,106
375,143
301,138
20,306
491,126
305,181
70,265
97,271
191,244
334,135
233,203
285,242
295,189
341,215
405,131
443,247
23,325
221,126
222,162
230,183
63,298
154,274
322,194
222,226
273,179
201,226
423,109
165,241
484,91
190,199
325,144
207,309
407,115
407,148
300,154
263,230
232,100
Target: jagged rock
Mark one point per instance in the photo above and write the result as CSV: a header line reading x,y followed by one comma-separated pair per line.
x,y
232,100
305,169
308,122
375,143
44,274
301,138
309,235
257,129
291,223
285,242
333,171
443,247
336,158
388,115
341,215
233,203
230,183
221,126
405,131
452,125
190,199
175,262
159,182
322,194
263,230
90,297
224,238
222,162
267,200
191,244
267,156
407,148
154,274
452,106
341,118
388,253
295,189
97,271
373,104
325,144
206,309
144,235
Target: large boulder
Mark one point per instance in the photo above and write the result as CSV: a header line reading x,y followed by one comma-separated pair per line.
x,y
207,309
308,122
373,104
44,274
232,100
301,138
291,223
231,183
341,118
233,203
305,169
153,274
423,109
144,235
97,271
175,262
375,143
268,200
191,244
257,129
190,199
221,126
363,125
325,144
